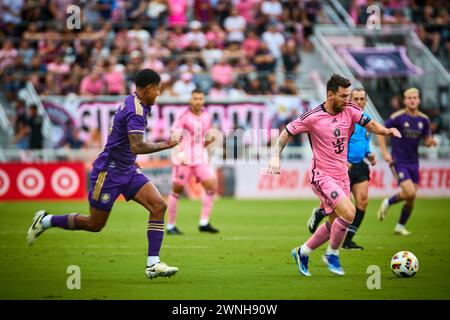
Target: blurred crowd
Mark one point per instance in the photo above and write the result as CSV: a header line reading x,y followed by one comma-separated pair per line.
x,y
431,19
225,47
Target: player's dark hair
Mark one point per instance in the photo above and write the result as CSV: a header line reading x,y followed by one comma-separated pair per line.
x,y
145,77
337,81
197,91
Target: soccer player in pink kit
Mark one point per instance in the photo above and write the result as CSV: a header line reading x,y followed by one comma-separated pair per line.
x,y
329,127
191,159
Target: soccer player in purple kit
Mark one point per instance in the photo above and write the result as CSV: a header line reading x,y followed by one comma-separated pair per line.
x,y
329,127
115,172
404,161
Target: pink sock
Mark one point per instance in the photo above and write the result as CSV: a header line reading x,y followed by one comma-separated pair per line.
x,y
207,204
319,237
338,232
173,201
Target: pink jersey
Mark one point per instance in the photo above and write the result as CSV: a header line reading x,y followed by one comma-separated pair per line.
x,y
195,127
329,135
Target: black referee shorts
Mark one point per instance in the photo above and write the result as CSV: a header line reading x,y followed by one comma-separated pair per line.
x,y
358,173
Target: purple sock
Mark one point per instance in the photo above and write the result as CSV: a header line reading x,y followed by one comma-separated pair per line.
x,y
394,199
406,213
66,221
155,235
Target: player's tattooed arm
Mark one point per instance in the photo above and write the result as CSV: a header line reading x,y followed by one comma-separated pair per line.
x,y
378,129
139,146
274,164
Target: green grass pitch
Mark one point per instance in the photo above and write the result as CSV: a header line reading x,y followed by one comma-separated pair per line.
x,y
249,259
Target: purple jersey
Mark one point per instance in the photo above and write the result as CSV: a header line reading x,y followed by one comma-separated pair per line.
x,y
130,118
406,149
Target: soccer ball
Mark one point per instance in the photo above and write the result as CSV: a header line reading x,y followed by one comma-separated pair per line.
x,y
404,264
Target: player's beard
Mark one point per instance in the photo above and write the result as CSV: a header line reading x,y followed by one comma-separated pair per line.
x,y
337,107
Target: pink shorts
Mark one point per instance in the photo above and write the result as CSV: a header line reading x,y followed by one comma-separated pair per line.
x,y
331,191
181,174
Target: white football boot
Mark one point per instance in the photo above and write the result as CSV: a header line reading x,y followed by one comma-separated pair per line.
x,y
160,269
36,228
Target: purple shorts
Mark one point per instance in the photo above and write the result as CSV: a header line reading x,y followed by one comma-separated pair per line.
x,y
404,172
106,186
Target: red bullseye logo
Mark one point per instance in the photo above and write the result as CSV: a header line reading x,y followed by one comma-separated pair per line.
x,y
4,182
30,182
65,182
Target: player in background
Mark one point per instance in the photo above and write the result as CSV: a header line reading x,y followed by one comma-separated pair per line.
x,y
404,160
191,159
114,172
359,174
329,127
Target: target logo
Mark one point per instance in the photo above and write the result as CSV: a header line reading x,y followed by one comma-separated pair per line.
x,y
30,182
4,182
65,182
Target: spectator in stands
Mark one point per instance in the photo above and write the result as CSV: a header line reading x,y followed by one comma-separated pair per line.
x,y
236,91
242,69
167,85
152,62
177,12
191,65
25,51
246,9
93,84
222,73
10,12
216,34
273,9
211,54
73,140
203,10
138,37
58,8
289,87
184,87
157,50
235,25
217,91
290,55
8,54
264,61
58,66
195,38
35,122
135,10
114,77
222,10
68,85
251,43
254,85
135,64
233,52
157,11
99,51
274,40
21,126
